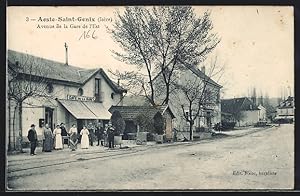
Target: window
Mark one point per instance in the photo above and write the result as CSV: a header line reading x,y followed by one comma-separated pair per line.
x,y
218,97
49,88
98,93
97,86
112,95
80,92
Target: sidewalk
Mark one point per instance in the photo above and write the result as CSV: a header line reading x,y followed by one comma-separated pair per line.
x,y
128,144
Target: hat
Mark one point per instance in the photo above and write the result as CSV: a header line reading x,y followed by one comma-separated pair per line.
x,y
32,125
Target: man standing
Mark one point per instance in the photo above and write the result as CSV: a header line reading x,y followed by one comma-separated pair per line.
x,y
111,134
99,131
64,134
92,133
63,130
32,137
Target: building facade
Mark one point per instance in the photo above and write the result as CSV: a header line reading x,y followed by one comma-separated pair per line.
x,y
244,111
285,110
69,95
262,113
199,83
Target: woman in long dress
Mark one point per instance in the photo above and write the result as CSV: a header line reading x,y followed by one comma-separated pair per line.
x,y
58,138
73,137
84,138
47,139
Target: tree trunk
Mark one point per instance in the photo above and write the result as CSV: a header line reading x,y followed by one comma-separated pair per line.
x,y
191,121
191,131
9,127
13,128
20,126
166,101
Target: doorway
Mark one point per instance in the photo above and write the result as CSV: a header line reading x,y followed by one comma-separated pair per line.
x,y
79,125
208,119
49,117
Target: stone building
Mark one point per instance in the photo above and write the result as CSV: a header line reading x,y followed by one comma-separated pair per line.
x,y
69,94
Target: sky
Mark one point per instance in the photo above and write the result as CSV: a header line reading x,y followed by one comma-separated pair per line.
x,y
256,48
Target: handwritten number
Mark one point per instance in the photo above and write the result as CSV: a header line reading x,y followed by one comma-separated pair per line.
x,y
27,19
94,36
87,34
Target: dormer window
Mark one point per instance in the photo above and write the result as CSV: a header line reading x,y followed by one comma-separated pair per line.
x,y
80,92
49,88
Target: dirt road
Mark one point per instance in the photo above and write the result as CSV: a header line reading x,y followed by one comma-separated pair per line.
x,y
260,160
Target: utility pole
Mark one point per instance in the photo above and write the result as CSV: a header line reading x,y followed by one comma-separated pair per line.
x,y
66,47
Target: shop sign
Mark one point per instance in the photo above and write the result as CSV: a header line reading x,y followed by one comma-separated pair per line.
x,y
80,98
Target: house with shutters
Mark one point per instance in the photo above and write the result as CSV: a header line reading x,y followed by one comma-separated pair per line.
x,y
71,94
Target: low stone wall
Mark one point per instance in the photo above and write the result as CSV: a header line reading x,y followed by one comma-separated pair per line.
x,y
197,135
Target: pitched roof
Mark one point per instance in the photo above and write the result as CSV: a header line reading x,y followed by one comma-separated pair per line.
x,y
131,112
198,73
288,103
237,104
57,70
202,75
136,101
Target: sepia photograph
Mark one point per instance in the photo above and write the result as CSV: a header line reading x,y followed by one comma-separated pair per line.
x,y
160,98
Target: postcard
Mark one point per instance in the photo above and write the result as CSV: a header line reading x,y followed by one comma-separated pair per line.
x,y
159,98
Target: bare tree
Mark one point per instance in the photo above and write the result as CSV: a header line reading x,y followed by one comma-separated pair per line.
x,y
254,96
27,78
162,40
133,81
198,93
131,32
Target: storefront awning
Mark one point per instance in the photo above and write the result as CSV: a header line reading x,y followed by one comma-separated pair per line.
x,y
86,110
99,110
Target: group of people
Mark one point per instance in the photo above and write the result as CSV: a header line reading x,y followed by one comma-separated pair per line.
x,y
54,140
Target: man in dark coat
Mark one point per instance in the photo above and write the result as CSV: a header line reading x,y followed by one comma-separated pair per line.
x,y
91,129
32,137
111,134
64,133
63,129
99,132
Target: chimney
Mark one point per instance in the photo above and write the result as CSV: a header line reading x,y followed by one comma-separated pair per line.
x,y
66,46
203,69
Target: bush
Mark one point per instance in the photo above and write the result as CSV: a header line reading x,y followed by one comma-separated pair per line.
x,y
118,122
260,124
227,125
159,123
217,127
